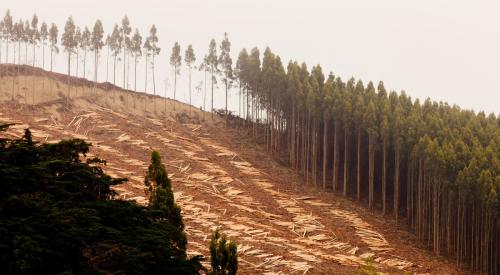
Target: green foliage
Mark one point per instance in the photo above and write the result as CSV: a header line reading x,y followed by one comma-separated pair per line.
x,y
223,255
57,216
176,58
161,198
368,268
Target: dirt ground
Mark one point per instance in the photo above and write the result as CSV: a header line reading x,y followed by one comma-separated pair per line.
x,y
220,179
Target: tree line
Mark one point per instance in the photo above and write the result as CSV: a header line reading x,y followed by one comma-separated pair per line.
x,y
121,45
429,165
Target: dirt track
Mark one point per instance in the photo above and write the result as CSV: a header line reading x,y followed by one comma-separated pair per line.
x,y
221,179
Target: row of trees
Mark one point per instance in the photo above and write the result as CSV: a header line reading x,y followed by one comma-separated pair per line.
x,y
433,166
122,46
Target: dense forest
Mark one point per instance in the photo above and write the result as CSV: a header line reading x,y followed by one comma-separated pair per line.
x,y
432,167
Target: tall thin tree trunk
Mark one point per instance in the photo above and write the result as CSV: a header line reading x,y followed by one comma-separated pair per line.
x,y
124,65
358,166
384,176
43,56
346,160
135,74
69,73
175,84
51,58
396,183
325,145
335,156
190,104
212,110
114,70
371,169
153,72
84,62
107,64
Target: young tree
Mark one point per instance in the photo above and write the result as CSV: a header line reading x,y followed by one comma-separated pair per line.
x,y
189,58
161,197
97,44
135,47
175,62
85,44
53,35
44,35
223,255
212,63
226,64
125,31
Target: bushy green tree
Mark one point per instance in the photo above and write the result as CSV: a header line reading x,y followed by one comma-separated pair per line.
x,y
161,198
223,255
58,215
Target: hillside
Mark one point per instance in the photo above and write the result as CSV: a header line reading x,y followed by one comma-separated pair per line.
x,y
220,178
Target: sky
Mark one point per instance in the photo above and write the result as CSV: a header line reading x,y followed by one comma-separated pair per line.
x,y
448,50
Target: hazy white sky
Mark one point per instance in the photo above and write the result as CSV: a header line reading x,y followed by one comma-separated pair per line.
x,y
443,49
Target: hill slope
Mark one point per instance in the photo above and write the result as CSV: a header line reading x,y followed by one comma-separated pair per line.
x,y
219,178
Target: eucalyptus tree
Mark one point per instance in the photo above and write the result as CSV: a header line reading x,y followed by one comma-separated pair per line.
x,y
96,44
328,90
85,44
189,59
226,64
384,134
34,36
19,38
2,37
8,32
115,44
212,64
396,121
358,116
147,53
125,33
241,72
77,39
205,67
44,35
154,49
175,62
370,120
107,42
26,35
69,43
136,50
53,37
